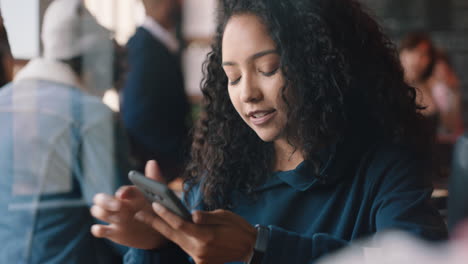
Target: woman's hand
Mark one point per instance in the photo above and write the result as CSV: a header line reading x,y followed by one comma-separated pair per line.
x,y
219,236
119,211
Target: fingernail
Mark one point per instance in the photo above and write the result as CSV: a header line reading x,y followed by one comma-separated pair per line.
x,y
94,228
157,207
98,231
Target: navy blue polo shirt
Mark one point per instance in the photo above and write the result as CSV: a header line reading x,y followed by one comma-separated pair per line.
x,y
360,193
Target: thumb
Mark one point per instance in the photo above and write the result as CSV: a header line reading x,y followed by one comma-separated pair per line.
x,y
153,171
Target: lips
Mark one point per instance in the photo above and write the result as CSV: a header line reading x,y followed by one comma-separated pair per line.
x,y
261,117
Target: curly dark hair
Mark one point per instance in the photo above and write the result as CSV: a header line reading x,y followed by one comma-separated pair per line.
x,y
344,77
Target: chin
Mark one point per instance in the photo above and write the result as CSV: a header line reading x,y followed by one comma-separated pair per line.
x,y
266,137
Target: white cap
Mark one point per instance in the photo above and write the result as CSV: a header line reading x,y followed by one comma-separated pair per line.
x,y
70,30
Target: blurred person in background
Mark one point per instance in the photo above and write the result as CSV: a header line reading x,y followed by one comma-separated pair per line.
x,y
57,144
417,56
445,88
154,105
429,70
6,59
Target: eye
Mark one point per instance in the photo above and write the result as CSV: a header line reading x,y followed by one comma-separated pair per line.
x,y
270,73
235,81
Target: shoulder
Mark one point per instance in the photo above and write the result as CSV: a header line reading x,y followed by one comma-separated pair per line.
x,y
389,166
385,154
95,103
142,39
140,34
95,113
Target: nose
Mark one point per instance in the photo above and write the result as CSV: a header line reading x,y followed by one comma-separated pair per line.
x,y
250,90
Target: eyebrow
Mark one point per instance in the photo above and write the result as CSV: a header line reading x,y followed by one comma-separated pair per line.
x,y
253,57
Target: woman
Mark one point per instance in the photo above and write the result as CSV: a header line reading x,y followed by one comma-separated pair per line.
x,y
309,131
429,70
417,55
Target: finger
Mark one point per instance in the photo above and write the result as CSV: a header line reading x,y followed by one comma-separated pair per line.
x,y
175,221
129,193
133,198
153,171
209,218
102,231
107,202
157,224
111,232
104,215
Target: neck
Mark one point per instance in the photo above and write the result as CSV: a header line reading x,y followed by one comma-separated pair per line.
x,y
286,156
162,17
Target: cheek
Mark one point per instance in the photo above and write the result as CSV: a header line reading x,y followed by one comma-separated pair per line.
x,y
275,91
235,101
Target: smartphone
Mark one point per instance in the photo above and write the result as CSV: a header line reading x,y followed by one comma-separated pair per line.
x,y
160,193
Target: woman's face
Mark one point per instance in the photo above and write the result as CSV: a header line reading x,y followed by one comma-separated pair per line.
x,y
415,61
252,65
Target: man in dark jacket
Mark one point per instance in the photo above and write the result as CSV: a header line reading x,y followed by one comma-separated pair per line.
x,y
154,105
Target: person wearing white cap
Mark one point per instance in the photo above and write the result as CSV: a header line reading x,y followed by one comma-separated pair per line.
x,y
57,144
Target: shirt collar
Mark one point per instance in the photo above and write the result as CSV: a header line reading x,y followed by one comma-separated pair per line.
x,y
300,178
336,162
48,70
160,33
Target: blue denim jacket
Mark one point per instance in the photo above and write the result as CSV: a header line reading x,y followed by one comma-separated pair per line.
x,y
56,152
